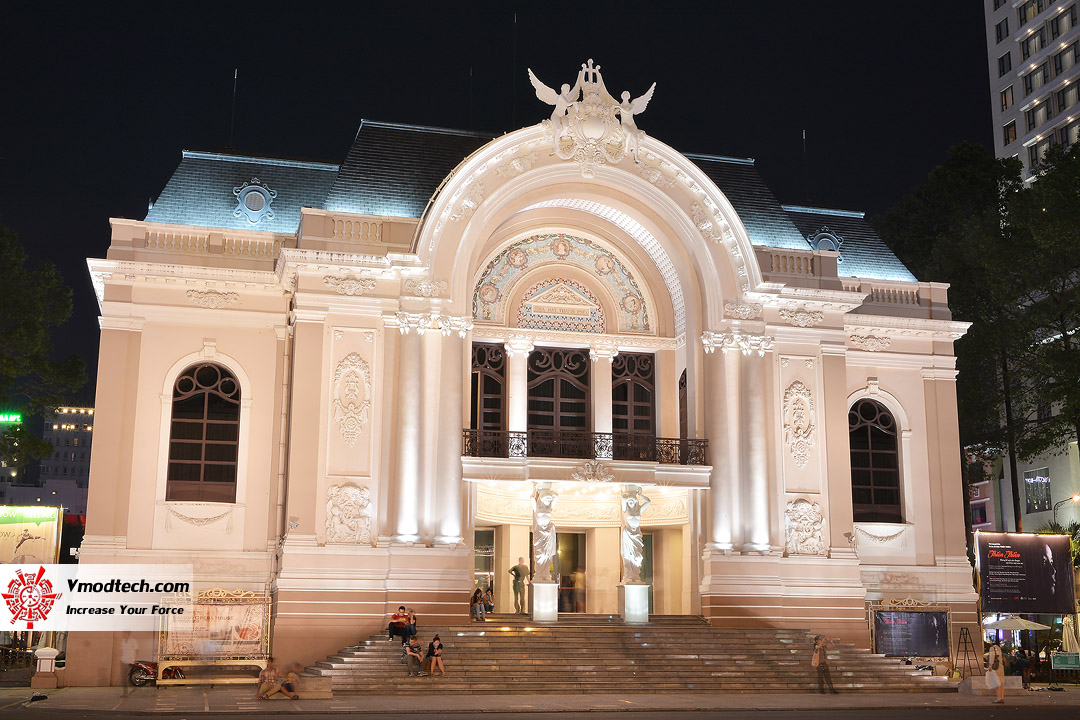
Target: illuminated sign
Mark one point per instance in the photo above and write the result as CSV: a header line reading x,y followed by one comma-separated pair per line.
x,y
10,418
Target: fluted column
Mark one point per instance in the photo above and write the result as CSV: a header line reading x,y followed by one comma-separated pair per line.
x,y
452,380
600,387
408,401
723,480
517,391
755,460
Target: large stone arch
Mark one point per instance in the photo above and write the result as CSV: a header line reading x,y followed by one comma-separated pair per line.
x,y
688,216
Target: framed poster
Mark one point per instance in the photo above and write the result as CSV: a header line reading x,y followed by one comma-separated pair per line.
x,y
29,535
1025,573
223,626
911,633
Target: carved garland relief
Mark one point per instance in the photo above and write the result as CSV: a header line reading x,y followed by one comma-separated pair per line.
x,y
212,299
799,422
352,392
803,522
348,515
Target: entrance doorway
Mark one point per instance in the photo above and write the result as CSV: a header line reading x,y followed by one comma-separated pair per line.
x,y
570,564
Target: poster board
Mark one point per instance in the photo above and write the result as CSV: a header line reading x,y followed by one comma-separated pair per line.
x,y
29,535
226,628
1025,573
910,630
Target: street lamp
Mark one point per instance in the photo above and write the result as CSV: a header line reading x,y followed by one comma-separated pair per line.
x,y
1073,499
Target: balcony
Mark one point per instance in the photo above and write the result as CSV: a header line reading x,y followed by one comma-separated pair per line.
x,y
583,445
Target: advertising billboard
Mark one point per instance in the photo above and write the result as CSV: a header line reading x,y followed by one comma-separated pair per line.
x,y
1025,573
911,633
28,535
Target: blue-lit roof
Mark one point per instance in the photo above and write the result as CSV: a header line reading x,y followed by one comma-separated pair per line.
x,y
865,255
200,191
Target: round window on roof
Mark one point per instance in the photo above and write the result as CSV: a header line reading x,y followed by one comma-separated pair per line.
x,y
253,200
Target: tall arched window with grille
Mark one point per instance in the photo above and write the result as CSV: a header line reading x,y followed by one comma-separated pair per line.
x,y
875,466
204,435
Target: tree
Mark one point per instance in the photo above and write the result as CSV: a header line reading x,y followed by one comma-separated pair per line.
x,y
955,228
35,302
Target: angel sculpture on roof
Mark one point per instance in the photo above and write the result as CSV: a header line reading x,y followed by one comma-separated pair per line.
x,y
627,110
561,100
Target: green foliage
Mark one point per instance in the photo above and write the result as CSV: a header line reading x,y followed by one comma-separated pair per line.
x,y
34,303
1072,530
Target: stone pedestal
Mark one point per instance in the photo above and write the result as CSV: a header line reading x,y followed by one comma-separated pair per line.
x,y
634,603
545,601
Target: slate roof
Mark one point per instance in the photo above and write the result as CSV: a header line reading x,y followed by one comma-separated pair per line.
x,y
864,254
394,169
200,191
761,214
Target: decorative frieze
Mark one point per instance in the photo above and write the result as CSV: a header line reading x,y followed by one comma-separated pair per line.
x,y
799,422
212,299
870,343
195,521
416,287
469,201
802,317
352,393
742,311
593,471
348,515
349,284
746,344
803,522
422,322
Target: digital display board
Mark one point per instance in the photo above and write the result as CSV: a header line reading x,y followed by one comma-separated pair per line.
x,y
911,633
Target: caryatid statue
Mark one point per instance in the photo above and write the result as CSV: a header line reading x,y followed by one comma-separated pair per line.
x,y
633,546
544,541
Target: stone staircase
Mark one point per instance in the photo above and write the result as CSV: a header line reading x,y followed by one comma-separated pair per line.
x,y
601,654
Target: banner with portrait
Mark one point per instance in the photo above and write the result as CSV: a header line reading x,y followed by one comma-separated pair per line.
x,y
1025,573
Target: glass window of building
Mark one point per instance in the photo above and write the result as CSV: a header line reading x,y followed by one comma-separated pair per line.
x,y
1009,133
1067,97
978,514
1037,115
1006,98
1029,10
204,436
1033,43
1036,79
1004,64
875,468
1070,133
1063,23
1002,29
1065,59
1037,490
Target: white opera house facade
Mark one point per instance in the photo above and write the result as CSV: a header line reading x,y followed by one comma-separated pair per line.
x,y
377,383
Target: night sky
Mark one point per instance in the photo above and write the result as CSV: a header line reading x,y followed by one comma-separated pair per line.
x,y
98,104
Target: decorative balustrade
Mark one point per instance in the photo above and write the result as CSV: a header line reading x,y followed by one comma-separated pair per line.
x,y
584,445
889,294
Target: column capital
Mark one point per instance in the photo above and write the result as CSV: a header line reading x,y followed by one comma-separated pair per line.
x,y
603,350
519,345
735,340
406,322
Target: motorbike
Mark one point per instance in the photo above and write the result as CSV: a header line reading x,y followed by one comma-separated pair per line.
x,y
143,672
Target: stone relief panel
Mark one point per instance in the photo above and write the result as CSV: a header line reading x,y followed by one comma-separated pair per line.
x,y
635,309
800,433
213,299
350,378
799,422
803,522
560,304
349,514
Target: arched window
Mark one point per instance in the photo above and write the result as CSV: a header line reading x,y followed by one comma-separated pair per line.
x,y
204,435
875,467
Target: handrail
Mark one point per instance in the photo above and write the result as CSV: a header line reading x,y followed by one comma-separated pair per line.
x,y
584,445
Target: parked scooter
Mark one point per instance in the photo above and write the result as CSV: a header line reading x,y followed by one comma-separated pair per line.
x,y
143,672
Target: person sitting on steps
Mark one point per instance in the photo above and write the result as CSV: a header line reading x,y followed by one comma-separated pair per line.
x,y
476,606
398,623
414,658
434,656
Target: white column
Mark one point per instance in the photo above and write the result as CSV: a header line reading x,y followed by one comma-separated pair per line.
x,y
406,488
452,379
517,391
755,461
600,387
722,431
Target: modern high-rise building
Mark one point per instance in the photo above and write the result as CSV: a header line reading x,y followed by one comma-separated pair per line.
x,y
64,475
1033,50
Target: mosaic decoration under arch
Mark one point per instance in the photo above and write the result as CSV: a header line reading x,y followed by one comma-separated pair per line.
x,y
512,262
560,304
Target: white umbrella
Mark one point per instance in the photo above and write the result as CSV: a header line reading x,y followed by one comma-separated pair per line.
x,y
1011,622
1068,635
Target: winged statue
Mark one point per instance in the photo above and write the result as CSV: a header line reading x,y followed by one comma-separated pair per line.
x,y
627,110
561,100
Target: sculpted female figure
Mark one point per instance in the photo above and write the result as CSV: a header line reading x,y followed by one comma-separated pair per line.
x,y
544,545
633,546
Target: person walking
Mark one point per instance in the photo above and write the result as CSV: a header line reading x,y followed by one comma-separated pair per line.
x,y
520,573
995,671
820,661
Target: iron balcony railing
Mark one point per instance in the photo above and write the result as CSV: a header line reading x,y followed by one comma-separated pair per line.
x,y
584,445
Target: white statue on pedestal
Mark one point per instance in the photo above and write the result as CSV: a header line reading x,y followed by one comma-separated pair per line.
x,y
544,540
633,546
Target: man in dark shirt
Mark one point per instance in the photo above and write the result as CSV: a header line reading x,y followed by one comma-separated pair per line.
x,y
414,658
520,572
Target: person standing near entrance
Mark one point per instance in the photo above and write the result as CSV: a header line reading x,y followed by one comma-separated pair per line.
x,y
579,590
995,671
820,661
520,573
